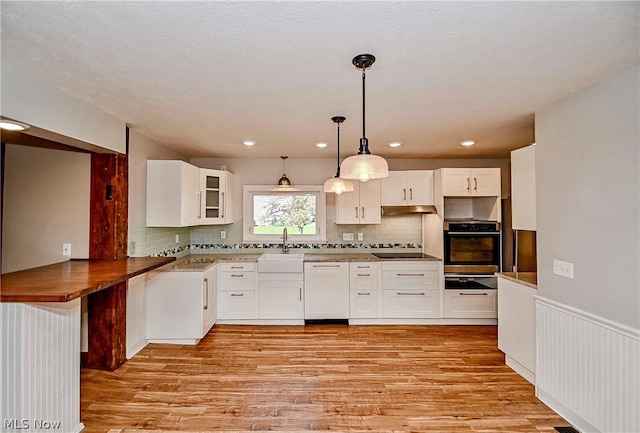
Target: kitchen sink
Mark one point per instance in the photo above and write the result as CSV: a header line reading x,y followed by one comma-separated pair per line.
x,y
284,263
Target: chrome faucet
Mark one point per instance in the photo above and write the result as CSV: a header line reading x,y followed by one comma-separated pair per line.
x,y
285,235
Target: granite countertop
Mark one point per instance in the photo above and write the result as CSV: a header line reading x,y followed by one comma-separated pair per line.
x,y
529,279
200,262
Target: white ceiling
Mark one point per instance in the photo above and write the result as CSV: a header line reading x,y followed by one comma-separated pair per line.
x,y
199,77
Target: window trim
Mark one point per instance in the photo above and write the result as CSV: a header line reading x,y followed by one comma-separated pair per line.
x,y
248,191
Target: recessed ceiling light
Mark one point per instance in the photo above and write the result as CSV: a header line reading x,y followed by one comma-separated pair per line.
x,y
395,144
321,144
248,142
11,125
468,143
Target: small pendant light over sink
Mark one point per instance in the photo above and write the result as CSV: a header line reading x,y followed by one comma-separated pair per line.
x,y
335,184
284,180
364,165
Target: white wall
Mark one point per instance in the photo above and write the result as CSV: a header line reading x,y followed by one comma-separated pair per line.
x,y
55,115
46,204
140,150
587,182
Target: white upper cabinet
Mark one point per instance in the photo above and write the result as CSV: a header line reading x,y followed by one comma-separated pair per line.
x,y
362,206
471,182
523,188
214,196
181,195
407,188
172,193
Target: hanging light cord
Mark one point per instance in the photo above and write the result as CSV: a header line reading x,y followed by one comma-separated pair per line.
x,y
338,169
363,104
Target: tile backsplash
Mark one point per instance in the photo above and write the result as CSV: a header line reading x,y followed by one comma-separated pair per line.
x,y
399,232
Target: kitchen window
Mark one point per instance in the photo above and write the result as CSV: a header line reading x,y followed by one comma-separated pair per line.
x,y
268,210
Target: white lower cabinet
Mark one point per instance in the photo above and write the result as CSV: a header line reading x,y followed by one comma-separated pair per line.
x,y
326,290
181,306
236,291
411,290
470,304
364,290
280,296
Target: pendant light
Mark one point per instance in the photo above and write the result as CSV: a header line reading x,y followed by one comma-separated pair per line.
x,y
284,180
364,165
335,184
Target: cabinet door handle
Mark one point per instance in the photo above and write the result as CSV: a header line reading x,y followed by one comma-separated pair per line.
x,y
411,294
237,267
468,184
237,294
362,212
222,206
237,275
404,194
206,293
473,294
410,275
356,212
364,275
300,294
199,204
364,267
364,294
326,266
410,193
475,183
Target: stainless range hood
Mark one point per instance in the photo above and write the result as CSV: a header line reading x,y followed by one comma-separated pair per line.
x,y
407,210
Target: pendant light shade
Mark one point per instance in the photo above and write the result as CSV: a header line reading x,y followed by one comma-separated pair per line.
x,y
336,184
284,181
364,166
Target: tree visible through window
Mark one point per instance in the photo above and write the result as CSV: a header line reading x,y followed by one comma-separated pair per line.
x,y
268,211
272,213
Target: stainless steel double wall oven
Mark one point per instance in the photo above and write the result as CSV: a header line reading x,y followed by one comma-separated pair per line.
x,y
471,254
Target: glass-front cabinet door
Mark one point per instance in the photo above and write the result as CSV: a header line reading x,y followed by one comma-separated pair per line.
x,y
215,193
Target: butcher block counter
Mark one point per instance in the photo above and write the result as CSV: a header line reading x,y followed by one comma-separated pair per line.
x,y
66,281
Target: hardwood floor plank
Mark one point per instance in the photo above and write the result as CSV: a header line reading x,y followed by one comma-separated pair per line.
x,y
318,378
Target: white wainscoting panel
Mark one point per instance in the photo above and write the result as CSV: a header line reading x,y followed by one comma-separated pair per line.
x,y
587,368
41,366
136,315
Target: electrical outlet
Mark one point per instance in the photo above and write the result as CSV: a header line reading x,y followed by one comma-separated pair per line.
x,y
360,236
223,234
132,247
564,269
177,238
347,236
66,249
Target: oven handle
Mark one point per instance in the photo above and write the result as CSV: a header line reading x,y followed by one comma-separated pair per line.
x,y
474,233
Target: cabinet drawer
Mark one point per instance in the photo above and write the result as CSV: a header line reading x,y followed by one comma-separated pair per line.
x,y
410,303
239,280
236,304
410,279
418,265
364,275
470,304
237,266
364,304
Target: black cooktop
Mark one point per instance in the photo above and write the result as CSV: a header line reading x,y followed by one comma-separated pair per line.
x,y
407,255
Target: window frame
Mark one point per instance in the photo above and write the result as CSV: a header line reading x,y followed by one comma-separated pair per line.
x,y
249,191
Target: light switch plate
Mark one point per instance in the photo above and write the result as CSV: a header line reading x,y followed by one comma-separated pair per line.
x,y
360,236
177,238
563,269
347,236
66,249
223,234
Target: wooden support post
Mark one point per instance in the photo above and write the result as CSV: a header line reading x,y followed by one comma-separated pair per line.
x,y
108,241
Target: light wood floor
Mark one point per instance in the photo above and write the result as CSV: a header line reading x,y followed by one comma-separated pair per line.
x,y
318,378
